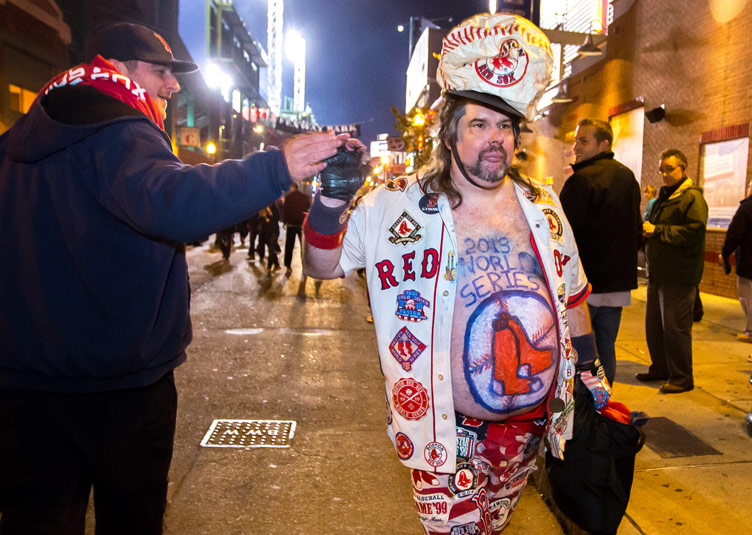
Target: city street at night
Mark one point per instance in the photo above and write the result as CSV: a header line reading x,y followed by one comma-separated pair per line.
x,y
263,352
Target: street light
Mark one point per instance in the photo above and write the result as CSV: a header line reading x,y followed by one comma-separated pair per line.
x,y
589,49
562,97
296,51
217,78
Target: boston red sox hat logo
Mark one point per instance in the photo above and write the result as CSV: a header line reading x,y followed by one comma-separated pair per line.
x,y
406,347
410,398
506,68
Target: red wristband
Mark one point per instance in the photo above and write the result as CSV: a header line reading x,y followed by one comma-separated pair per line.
x,y
322,241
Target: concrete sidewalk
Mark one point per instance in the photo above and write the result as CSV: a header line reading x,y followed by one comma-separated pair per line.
x,y
694,474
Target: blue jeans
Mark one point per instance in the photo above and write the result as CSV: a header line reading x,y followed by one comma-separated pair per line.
x,y
605,322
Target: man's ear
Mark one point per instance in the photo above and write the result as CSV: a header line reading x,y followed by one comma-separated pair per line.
x,y
120,66
604,146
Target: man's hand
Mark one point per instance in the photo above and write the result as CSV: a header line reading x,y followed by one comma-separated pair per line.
x,y
305,153
344,173
648,229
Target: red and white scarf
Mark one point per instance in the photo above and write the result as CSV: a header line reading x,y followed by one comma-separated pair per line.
x,y
104,77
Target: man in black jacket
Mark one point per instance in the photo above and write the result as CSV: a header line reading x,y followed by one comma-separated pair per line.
x,y
739,240
602,202
295,208
94,212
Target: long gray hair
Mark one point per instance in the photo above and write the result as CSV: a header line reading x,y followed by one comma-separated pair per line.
x,y
435,175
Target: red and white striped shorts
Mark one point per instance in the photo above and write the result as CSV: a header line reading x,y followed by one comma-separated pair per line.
x,y
493,463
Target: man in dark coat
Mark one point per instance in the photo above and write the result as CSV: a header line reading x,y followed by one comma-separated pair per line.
x,y
674,249
95,210
295,207
602,202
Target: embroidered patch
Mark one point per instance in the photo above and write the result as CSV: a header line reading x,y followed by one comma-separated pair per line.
x,y
466,529
396,184
505,69
500,510
433,507
423,479
435,454
410,399
462,482
404,446
554,224
429,203
560,293
405,230
449,270
560,261
466,441
406,347
410,306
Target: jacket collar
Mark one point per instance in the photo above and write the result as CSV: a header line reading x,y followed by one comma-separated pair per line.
x,y
601,156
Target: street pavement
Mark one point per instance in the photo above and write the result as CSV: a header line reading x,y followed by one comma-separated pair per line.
x,y
267,348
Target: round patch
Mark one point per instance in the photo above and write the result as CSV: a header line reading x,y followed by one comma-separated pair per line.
x,y
429,203
435,454
410,398
404,446
463,481
500,509
507,67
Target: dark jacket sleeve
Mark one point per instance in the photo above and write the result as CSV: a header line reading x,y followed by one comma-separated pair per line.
x,y
575,200
738,228
147,186
692,230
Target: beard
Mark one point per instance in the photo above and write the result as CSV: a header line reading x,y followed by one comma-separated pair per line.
x,y
490,174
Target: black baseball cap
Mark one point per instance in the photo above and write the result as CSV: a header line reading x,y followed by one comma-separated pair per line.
x,y
492,101
125,42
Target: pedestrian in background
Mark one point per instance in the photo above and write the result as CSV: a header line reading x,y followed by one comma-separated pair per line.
x,y
674,247
650,196
602,203
269,236
739,241
295,207
95,209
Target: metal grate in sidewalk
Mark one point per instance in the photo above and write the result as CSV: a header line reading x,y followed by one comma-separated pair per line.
x,y
249,434
668,439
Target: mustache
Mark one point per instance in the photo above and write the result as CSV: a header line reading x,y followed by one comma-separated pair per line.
x,y
498,149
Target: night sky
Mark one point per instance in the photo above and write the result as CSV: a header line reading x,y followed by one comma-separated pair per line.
x,y
355,58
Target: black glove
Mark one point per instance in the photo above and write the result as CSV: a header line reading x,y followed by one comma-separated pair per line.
x,y
726,267
344,174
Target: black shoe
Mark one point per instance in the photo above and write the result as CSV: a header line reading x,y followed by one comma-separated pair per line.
x,y
650,376
668,388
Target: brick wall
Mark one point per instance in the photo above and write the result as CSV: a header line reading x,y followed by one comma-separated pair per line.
x,y
681,57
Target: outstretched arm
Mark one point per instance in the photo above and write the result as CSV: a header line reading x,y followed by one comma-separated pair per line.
x,y
326,222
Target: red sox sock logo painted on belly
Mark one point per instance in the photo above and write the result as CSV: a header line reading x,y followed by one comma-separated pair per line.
x,y
510,338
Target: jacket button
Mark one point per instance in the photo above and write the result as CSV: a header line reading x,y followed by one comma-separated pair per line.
x,y
446,293
441,377
444,416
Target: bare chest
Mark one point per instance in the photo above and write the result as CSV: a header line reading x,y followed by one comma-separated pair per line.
x,y
504,328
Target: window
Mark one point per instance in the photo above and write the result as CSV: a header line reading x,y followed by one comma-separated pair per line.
x,y
20,99
723,172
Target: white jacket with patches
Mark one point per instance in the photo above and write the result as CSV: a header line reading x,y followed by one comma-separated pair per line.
x,y
407,245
